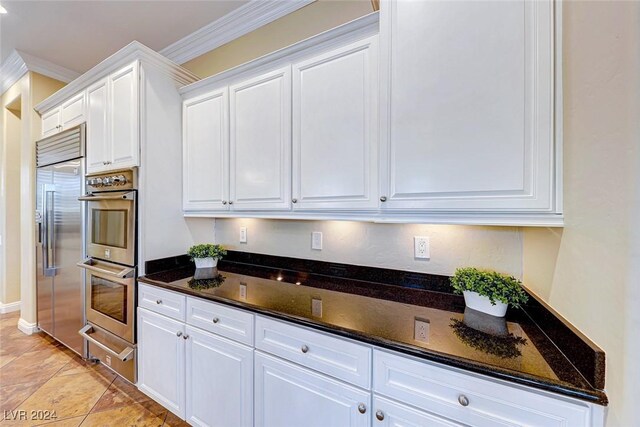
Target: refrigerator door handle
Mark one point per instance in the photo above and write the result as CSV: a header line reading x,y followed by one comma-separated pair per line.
x,y
48,256
124,355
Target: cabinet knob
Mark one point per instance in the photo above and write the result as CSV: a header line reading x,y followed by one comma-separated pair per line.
x,y
383,198
463,400
224,202
230,202
216,320
304,348
362,408
158,301
186,337
294,200
379,415
178,334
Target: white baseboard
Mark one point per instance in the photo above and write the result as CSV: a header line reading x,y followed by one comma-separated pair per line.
x,y
9,307
27,327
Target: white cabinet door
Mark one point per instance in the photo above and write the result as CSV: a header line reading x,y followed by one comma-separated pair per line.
x,y
51,122
97,128
261,142
206,152
468,117
219,381
388,413
161,360
72,111
335,129
123,117
290,396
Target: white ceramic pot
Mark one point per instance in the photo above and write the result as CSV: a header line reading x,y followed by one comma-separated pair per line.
x,y
481,303
206,262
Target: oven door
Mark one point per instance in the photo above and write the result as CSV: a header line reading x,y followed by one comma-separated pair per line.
x,y
110,297
111,226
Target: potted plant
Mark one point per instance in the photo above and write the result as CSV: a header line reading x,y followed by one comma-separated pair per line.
x,y
488,291
206,255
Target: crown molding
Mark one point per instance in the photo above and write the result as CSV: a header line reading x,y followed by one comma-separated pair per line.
x,y
18,63
237,23
131,52
365,26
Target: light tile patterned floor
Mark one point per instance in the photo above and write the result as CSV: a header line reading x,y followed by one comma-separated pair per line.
x,y
39,376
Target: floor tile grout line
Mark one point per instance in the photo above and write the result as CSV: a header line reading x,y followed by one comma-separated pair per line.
x,y
98,400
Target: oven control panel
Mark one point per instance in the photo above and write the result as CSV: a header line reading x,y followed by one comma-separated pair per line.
x,y
115,180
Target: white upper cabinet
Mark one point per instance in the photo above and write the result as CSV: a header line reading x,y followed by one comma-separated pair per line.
x,y
71,113
260,142
335,151
206,152
51,122
113,140
97,130
124,117
468,96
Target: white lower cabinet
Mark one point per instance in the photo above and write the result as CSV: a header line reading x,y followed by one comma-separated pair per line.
x,y
201,377
288,395
161,360
388,413
204,364
219,381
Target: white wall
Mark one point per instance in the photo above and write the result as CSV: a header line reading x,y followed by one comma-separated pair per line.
x,y
590,270
380,245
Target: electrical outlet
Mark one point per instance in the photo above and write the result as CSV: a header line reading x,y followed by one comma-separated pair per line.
x,y
243,234
421,330
243,290
316,240
421,247
316,307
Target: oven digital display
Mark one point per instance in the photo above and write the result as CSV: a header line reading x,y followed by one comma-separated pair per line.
x,y
109,298
109,227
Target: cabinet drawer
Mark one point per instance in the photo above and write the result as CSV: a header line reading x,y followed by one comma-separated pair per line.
x,y
438,390
158,300
225,321
337,357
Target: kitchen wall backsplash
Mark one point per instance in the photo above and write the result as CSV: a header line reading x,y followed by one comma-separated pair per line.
x,y
376,245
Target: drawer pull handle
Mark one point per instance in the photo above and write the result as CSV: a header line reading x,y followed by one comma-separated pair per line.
x,y
158,301
463,400
383,198
216,320
379,415
178,334
362,408
304,348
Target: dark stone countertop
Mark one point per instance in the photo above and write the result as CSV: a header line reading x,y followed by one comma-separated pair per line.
x,y
517,348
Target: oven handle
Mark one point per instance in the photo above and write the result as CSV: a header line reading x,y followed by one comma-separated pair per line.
x,y
124,355
122,274
129,195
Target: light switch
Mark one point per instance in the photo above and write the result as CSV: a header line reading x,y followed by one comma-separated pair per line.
x,y
316,240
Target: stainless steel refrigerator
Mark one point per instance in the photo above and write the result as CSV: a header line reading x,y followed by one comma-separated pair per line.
x,y
60,239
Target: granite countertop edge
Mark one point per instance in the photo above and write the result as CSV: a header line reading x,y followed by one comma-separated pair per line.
x,y
589,395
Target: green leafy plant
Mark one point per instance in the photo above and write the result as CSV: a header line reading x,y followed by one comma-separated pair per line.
x,y
491,284
206,250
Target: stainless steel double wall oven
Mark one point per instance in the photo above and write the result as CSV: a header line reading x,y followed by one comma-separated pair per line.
x,y
111,203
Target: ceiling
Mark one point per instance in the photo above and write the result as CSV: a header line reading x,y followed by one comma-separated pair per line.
x,y
79,34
